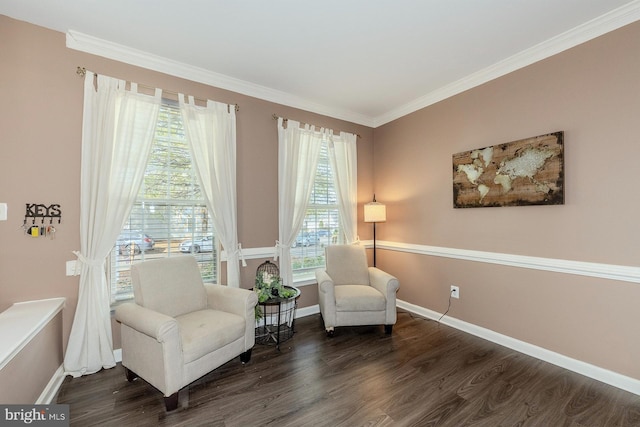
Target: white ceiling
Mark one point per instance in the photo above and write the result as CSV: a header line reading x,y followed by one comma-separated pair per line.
x,y
365,61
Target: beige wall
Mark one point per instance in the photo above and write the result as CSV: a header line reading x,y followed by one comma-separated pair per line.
x,y
40,137
592,92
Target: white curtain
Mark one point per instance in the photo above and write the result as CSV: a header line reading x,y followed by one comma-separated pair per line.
x,y
117,130
211,132
298,154
344,161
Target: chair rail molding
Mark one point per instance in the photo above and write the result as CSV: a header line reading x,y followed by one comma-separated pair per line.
x,y
591,269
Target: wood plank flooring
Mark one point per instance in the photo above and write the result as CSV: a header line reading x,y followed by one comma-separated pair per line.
x,y
425,374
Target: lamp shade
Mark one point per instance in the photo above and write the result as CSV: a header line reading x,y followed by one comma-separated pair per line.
x,y
375,212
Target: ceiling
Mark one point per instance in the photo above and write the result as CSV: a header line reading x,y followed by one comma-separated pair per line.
x,y
365,61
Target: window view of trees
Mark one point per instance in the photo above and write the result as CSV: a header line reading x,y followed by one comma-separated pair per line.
x,y
169,216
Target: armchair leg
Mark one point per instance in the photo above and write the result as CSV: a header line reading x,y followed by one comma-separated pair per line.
x,y
388,329
246,356
330,332
130,374
171,402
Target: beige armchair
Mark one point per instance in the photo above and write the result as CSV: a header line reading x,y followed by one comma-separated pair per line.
x,y
351,293
179,329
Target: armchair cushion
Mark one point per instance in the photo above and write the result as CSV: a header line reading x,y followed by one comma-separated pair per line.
x,y
204,331
359,298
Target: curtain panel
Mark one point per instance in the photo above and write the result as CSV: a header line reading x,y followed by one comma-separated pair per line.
x,y
211,132
118,127
343,155
298,155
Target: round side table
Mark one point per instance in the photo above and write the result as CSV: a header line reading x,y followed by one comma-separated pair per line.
x,y
278,320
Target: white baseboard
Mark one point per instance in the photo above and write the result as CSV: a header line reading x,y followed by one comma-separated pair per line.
x,y
307,311
51,389
606,376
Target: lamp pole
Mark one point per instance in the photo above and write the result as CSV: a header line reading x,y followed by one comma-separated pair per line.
x,y
375,212
374,244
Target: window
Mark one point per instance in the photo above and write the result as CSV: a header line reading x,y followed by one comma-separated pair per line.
x,y
169,216
321,226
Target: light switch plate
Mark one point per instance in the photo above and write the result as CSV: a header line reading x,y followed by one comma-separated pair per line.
x,y
3,211
72,268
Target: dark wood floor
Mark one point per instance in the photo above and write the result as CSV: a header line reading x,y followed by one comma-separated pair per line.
x,y
425,374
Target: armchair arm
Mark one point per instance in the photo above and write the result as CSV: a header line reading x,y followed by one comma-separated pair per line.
x,y
325,283
326,298
237,301
384,282
159,326
388,285
160,362
233,300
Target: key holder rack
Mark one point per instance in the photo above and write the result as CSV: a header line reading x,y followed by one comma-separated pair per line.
x,y
36,212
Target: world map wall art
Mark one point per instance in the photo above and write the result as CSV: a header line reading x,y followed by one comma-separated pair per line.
x,y
519,173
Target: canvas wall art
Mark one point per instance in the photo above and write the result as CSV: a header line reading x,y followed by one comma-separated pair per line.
x,y
525,172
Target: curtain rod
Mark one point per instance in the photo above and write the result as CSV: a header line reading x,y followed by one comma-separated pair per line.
x,y
285,120
81,71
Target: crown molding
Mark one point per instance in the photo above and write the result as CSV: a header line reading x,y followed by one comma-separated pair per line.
x,y
601,25
100,47
608,22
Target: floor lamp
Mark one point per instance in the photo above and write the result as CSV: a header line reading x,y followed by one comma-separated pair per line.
x,y
375,212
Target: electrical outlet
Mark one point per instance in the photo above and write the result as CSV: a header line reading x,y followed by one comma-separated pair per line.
x,y
455,292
